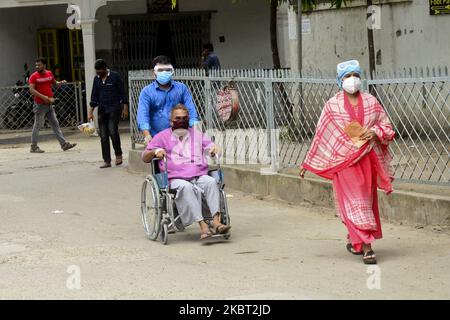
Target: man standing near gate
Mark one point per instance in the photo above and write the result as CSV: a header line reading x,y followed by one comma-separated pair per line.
x,y
157,100
41,88
210,60
108,95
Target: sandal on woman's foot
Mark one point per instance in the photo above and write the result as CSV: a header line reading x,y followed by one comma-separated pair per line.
x,y
205,235
352,250
369,257
222,229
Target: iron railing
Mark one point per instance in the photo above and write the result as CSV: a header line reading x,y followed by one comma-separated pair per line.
x,y
16,106
279,112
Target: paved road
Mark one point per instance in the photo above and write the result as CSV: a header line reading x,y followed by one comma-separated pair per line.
x,y
277,251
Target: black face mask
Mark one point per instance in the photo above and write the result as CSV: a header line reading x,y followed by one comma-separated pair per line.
x,y
180,124
102,74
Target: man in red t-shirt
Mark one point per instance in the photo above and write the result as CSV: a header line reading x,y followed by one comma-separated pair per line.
x,y
41,88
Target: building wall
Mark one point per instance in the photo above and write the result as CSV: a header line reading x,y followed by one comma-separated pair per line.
x,y
419,38
18,42
245,26
409,37
15,35
18,28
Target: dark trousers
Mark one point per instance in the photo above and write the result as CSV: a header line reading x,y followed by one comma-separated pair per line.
x,y
108,124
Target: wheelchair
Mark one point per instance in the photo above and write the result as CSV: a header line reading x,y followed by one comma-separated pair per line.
x,y
158,210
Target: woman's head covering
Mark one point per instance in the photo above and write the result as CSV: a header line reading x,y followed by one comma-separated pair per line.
x,y
345,68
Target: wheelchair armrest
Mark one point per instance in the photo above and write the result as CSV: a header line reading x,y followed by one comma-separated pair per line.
x,y
161,177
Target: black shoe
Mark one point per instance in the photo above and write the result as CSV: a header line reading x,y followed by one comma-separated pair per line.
x,y
105,165
67,146
36,149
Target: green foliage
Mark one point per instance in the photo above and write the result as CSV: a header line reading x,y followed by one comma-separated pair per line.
x,y
338,3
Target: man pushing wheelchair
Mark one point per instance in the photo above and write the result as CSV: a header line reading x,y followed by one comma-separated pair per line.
x,y
185,151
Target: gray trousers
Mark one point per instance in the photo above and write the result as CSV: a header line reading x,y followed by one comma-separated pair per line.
x,y
189,198
42,111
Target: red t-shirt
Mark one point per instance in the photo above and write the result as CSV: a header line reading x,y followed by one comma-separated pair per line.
x,y
43,84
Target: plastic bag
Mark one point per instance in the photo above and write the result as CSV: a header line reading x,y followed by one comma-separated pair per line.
x,y
87,128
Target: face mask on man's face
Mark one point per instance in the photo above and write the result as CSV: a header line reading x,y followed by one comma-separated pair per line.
x,y
164,77
102,74
352,84
180,123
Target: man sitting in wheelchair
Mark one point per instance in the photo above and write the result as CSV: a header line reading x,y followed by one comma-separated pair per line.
x,y
185,149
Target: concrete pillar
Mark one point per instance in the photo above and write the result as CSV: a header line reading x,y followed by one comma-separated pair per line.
x,y
88,9
88,30
87,27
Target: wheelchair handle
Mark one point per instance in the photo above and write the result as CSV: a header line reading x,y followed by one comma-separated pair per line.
x,y
158,159
216,160
166,173
155,159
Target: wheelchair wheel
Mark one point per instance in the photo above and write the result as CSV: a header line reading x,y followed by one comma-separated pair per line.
x,y
224,217
150,208
173,214
164,232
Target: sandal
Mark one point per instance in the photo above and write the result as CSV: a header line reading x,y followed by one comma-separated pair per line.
x,y
205,235
369,257
222,229
352,250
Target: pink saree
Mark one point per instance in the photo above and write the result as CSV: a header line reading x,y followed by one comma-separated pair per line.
x,y
356,172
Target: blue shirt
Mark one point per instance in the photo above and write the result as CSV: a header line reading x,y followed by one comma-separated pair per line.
x,y
108,96
156,104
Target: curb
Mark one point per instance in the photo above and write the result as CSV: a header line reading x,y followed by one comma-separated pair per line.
x,y
412,206
24,137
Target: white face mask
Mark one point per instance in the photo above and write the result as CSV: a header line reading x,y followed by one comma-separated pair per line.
x,y
180,133
352,85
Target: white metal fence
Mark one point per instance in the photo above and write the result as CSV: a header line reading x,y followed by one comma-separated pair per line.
x,y
279,112
16,106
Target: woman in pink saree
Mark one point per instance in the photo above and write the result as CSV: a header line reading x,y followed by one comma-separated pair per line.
x,y
350,148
